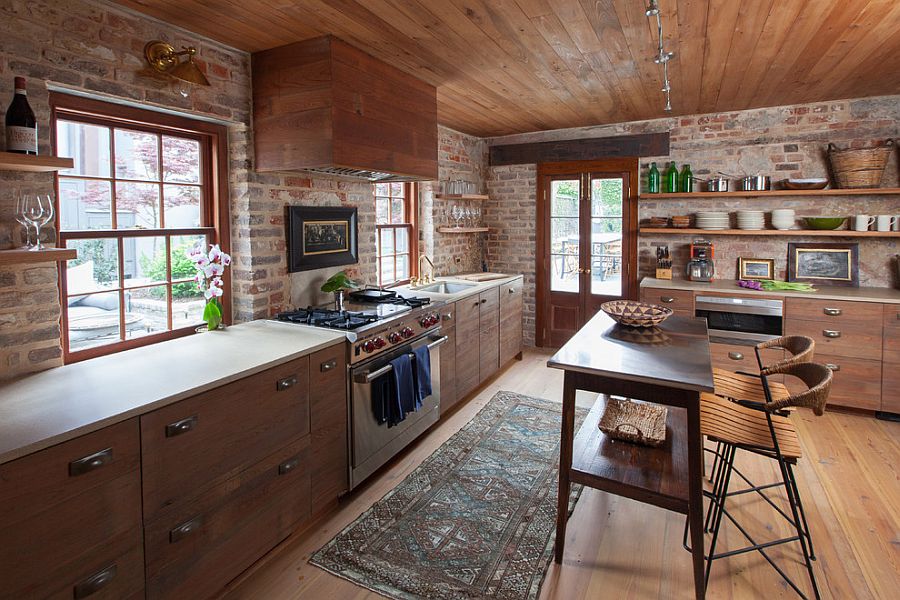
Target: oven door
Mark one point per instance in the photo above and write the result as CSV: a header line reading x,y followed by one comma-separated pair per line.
x,y
740,320
374,443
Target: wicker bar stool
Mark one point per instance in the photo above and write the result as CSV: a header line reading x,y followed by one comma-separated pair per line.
x,y
766,431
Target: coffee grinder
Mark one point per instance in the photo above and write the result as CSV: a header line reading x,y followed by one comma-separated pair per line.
x,y
701,266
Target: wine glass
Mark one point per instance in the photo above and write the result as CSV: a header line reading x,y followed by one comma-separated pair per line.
x,y
38,212
456,213
22,220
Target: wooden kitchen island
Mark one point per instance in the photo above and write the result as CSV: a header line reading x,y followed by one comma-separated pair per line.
x,y
667,365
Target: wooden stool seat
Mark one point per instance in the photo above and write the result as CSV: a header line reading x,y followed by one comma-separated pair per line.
x,y
726,421
746,387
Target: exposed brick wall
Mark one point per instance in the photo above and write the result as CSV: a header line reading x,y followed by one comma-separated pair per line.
x,y
781,142
29,318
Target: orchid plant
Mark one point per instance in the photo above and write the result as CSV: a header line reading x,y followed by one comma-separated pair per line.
x,y
210,268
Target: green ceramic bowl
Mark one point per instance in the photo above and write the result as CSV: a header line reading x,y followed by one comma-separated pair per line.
x,y
825,222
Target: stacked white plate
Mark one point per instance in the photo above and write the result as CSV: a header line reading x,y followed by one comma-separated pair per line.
x,y
712,220
751,219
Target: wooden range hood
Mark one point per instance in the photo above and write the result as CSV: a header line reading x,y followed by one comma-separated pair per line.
x,y
323,105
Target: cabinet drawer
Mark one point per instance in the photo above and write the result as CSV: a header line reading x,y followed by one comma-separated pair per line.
x,y
194,551
681,301
833,312
734,357
891,333
64,519
511,293
489,311
328,425
856,384
840,338
194,443
448,317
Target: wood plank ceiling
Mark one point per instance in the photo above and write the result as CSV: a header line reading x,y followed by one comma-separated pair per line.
x,y
511,66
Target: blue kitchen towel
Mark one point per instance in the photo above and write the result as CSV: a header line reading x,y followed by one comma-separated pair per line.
x,y
385,406
404,384
423,373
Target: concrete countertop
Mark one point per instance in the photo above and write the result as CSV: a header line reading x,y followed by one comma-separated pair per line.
x,y
860,294
46,408
476,287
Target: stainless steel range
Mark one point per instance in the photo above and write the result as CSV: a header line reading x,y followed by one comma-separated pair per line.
x,y
380,325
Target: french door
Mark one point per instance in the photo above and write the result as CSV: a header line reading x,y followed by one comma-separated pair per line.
x,y
587,242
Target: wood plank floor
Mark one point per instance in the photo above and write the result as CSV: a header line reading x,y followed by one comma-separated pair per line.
x,y
849,479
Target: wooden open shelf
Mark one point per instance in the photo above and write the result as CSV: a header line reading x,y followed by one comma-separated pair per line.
x,y
462,197
20,256
463,229
13,161
780,232
775,193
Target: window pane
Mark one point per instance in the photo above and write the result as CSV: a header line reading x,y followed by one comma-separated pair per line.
x,y
387,242
607,196
181,160
402,267
187,300
182,205
387,270
564,273
96,268
397,215
564,236
382,210
382,189
564,198
396,189
145,261
137,205
402,236
84,204
87,145
93,320
146,311
137,155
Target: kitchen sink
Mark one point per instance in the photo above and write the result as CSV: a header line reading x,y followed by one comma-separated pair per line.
x,y
446,287
483,276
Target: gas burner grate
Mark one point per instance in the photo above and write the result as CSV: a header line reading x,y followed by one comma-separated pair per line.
x,y
333,319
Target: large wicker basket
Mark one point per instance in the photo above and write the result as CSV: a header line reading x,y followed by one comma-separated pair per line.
x,y
859,167
636,314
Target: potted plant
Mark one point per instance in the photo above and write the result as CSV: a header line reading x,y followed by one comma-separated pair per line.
x,y
210,268
337,283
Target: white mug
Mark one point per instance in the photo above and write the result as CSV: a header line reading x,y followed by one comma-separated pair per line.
x,y
896,226
863,222
885,222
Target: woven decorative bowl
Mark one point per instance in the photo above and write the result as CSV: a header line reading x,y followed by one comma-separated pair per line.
x,y
636,314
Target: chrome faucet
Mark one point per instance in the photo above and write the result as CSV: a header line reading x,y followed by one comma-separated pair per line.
x,y
423,279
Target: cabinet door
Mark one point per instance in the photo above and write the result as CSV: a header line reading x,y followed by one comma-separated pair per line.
x,y
467,345
510,320
448,371
489,342
328,425
890,387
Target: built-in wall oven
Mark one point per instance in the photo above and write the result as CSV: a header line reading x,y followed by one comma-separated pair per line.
x,y
373,443
740,320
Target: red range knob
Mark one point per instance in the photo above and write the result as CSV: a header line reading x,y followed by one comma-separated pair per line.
x,y
380,343
368,346
394,337
435,319
407,332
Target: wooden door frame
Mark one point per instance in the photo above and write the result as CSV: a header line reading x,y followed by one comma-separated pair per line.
x,y
545,171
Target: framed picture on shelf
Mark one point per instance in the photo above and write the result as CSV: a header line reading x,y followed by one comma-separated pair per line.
x,y
321,237
827,264
756,268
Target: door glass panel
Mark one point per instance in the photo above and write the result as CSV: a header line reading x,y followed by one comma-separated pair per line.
x,y
564,226
607,199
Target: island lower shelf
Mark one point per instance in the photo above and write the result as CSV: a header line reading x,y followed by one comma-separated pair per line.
x,y
638,472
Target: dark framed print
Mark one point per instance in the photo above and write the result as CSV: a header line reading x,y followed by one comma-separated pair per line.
x,y
321,237
827,264
756,268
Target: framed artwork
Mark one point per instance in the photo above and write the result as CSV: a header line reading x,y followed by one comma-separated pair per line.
x,y
756,268
321,237
827,264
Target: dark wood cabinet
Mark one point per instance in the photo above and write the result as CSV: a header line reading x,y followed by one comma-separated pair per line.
x,y
511,309
449,396
680,301
890,373
328,419
70,519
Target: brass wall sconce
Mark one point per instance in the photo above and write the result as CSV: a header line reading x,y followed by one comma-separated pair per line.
x,y
163,57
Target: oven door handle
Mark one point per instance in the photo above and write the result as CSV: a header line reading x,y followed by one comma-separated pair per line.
x,y
370,376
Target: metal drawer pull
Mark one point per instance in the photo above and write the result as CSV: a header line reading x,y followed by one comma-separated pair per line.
x,y
182,426
832,312
328,365
667,299
95,582
449,317
288,466
484,300
373,375
833,367
90,463
185,529
286,383
831,333
512,290
735,356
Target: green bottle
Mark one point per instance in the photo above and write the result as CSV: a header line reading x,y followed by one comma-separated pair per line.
x,y
671,184
653,179
687,179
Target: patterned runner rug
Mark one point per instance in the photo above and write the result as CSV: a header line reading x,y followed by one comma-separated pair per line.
x,y
476,519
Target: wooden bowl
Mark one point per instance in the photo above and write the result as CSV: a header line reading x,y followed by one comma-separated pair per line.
x,y
805,184
636,314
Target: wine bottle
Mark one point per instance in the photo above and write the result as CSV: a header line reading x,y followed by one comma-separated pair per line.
x,y
687,179
21,126
653,179
671,181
